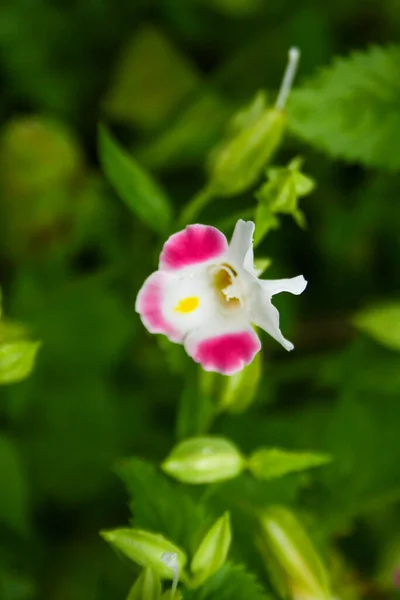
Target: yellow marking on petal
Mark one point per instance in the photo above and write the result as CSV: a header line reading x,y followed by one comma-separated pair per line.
x,y
187,305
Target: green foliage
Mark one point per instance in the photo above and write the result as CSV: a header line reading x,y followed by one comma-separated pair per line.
x,y
14,501
151,81
178,516
382,323
142,195
350,109
230,583
174,81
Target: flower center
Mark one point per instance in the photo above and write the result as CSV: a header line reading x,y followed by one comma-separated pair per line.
x,y
187,305
226,285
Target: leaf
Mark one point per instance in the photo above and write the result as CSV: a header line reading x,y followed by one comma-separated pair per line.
x,y
17,360
268,463
382,323
152,79
14,501
134,185
178,517
230,583
351,109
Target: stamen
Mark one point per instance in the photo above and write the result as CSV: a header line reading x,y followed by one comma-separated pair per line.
x,y
226,285
288,77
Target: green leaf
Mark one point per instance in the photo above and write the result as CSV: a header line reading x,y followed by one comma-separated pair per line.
x,y
382,323
152,79
351,109
14,501
230,583
17,360
268,463
134,185
178,517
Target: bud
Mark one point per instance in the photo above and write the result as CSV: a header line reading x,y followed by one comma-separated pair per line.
x,y
146,587
268,463
204,460
146,549
293,551
239,390
239,162
213,550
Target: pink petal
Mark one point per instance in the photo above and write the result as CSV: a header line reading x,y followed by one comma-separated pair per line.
x,y
227,353
149,306
193,245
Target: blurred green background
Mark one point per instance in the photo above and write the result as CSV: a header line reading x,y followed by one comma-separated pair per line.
x,y
167,76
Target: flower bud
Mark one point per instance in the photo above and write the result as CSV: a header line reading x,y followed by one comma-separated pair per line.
x,y
146,549
213,550
146,587
239,390
268,463
293,551
204,460
240,161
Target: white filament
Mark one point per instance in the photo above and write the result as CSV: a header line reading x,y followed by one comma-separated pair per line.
x,y
288,77
171,560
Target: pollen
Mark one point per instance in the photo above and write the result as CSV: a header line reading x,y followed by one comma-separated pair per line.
x,y
187,305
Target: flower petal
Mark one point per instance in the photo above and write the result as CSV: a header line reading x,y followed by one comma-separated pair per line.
x,y
265,315
149,304
225,353
294,285
241,246
195,244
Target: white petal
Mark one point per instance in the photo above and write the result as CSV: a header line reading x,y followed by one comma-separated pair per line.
x,y
240,251
294,285
193,284
265,315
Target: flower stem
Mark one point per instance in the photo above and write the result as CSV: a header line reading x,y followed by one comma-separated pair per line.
x,y
196,205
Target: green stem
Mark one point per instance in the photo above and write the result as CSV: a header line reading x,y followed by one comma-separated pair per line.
x,y
196,205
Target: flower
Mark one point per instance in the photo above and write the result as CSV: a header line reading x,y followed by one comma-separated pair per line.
x,y
206,295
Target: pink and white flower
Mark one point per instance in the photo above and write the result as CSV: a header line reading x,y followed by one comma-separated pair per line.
x,y
206,295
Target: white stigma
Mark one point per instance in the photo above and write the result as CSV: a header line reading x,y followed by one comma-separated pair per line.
x,y
171,560
288,77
